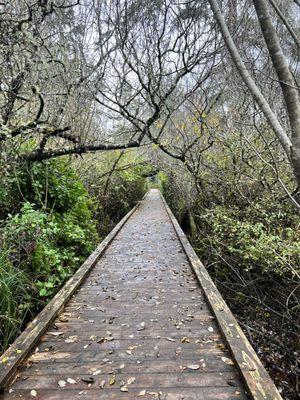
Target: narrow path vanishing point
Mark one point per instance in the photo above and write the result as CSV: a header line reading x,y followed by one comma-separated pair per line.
x,y
139,327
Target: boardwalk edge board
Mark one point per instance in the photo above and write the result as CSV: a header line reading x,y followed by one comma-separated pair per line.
x,y
19,350
257,380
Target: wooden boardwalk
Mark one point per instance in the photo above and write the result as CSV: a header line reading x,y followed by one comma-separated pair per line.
x,y
138,327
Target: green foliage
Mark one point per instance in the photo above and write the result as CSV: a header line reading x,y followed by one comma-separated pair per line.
x,y
48,227
252,239
17,292
115,182
46,236
126,188
158,182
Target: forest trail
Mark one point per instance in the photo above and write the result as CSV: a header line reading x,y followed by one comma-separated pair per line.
x,y
140,327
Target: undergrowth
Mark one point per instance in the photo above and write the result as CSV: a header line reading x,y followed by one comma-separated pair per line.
x,y
252,252
51,219
47,230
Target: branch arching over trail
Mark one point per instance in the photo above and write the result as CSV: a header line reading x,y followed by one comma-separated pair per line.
x,y
40,156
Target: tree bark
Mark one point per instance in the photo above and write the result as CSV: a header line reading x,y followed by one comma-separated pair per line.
x,y
287,83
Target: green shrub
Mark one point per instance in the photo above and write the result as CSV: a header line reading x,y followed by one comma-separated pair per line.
x,y
251,240
126,189
47,236
114,188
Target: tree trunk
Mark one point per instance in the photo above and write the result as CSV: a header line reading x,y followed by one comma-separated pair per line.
x,y
285,78
292,149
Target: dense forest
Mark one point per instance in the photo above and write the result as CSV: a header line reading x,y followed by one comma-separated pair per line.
x,y
100,100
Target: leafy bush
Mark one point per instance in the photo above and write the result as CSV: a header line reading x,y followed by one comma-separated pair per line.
x,y
44,238
127,187
252,240
253,255
115,182
48,227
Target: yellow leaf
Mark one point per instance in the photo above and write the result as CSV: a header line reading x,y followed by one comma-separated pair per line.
x,y
112,380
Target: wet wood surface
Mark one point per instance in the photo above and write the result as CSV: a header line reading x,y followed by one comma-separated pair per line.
x,y
139,327
257,380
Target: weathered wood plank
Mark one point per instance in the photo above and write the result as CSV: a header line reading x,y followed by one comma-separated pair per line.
x,y
158,365
123,344
123,356
163,380
211,393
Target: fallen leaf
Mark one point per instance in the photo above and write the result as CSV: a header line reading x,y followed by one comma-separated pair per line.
x,y
71,339
89,379
185,340
97,372
193,366
112,380
102,383
142,326
155,394
178,351
171,339
231,383
63,318
227,360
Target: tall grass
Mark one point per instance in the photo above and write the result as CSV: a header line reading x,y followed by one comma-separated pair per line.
x,y
15,299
